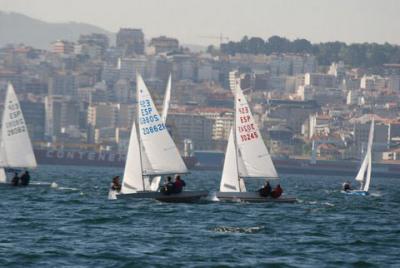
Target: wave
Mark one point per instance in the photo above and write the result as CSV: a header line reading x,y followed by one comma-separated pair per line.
x,y
245,230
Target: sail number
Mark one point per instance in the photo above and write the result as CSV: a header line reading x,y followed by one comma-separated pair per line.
x,y
153,129
244,110
148,117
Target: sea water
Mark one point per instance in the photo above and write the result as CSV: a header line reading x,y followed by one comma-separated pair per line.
x,y
67,221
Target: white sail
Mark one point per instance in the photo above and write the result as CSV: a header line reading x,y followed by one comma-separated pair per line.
x,y
370,141
133,179
157,143
166,102
364,174
363,168
230,175
3,176
16,145
155,182
251,148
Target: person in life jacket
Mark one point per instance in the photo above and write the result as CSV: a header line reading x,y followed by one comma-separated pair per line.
x,y
266,190
179,184
277,192
25,178
116,184
15,180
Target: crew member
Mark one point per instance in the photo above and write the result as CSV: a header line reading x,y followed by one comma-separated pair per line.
x,y
179,184
116,184
25,178
266,190
346,186
277,192
168,186
15,180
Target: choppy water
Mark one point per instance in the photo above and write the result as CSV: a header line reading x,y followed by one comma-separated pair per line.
x,y
74,225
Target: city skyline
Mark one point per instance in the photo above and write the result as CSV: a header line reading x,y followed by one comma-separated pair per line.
x,y
194,22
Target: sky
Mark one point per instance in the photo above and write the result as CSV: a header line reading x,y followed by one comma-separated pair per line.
x,y
202,21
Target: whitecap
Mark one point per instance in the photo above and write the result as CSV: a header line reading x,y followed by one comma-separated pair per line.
x,y
231,229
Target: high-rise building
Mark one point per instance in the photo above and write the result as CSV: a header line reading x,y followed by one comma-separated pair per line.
x,y
130,41
164,44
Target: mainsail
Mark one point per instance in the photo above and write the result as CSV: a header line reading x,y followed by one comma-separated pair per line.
x,y
157,144
3,176
152,152
16,148
364,174
251,148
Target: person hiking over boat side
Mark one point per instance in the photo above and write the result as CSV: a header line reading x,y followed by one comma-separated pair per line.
x,y
346,186
266,190
168,186
116,184
15,180
25,178
179,184
277,192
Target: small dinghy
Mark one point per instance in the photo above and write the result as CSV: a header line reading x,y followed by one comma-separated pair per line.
x,y
246,157
364,174
151,154
15,145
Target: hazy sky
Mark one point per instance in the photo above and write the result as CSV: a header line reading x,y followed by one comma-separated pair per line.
x,y
191,20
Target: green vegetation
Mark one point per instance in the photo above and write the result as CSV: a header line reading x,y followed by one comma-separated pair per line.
x,y
356,55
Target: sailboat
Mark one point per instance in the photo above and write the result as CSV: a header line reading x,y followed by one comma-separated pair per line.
x,y
152,153
246,157
364,173
15,145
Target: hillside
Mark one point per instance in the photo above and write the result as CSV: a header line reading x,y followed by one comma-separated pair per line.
x,y
18,28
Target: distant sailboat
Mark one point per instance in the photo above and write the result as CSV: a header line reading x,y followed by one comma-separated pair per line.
x,y
246,157
151,153
15,145
364,173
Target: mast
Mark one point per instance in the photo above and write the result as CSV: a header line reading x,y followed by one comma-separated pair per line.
x,y
139,137
235,136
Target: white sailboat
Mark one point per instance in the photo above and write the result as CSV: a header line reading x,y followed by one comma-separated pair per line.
x,y
15,145
246,157
364,173
151,153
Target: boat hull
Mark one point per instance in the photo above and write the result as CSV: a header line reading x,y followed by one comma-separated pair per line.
x,y
356,192
183,197
253,197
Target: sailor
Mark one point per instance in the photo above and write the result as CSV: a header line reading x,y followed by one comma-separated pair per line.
x,y
168,186
346,186
15,180
116,184
25,178
277,192
266,190
179,184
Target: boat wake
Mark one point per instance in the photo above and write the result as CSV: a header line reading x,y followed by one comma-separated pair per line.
x,y
212,197
244,230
